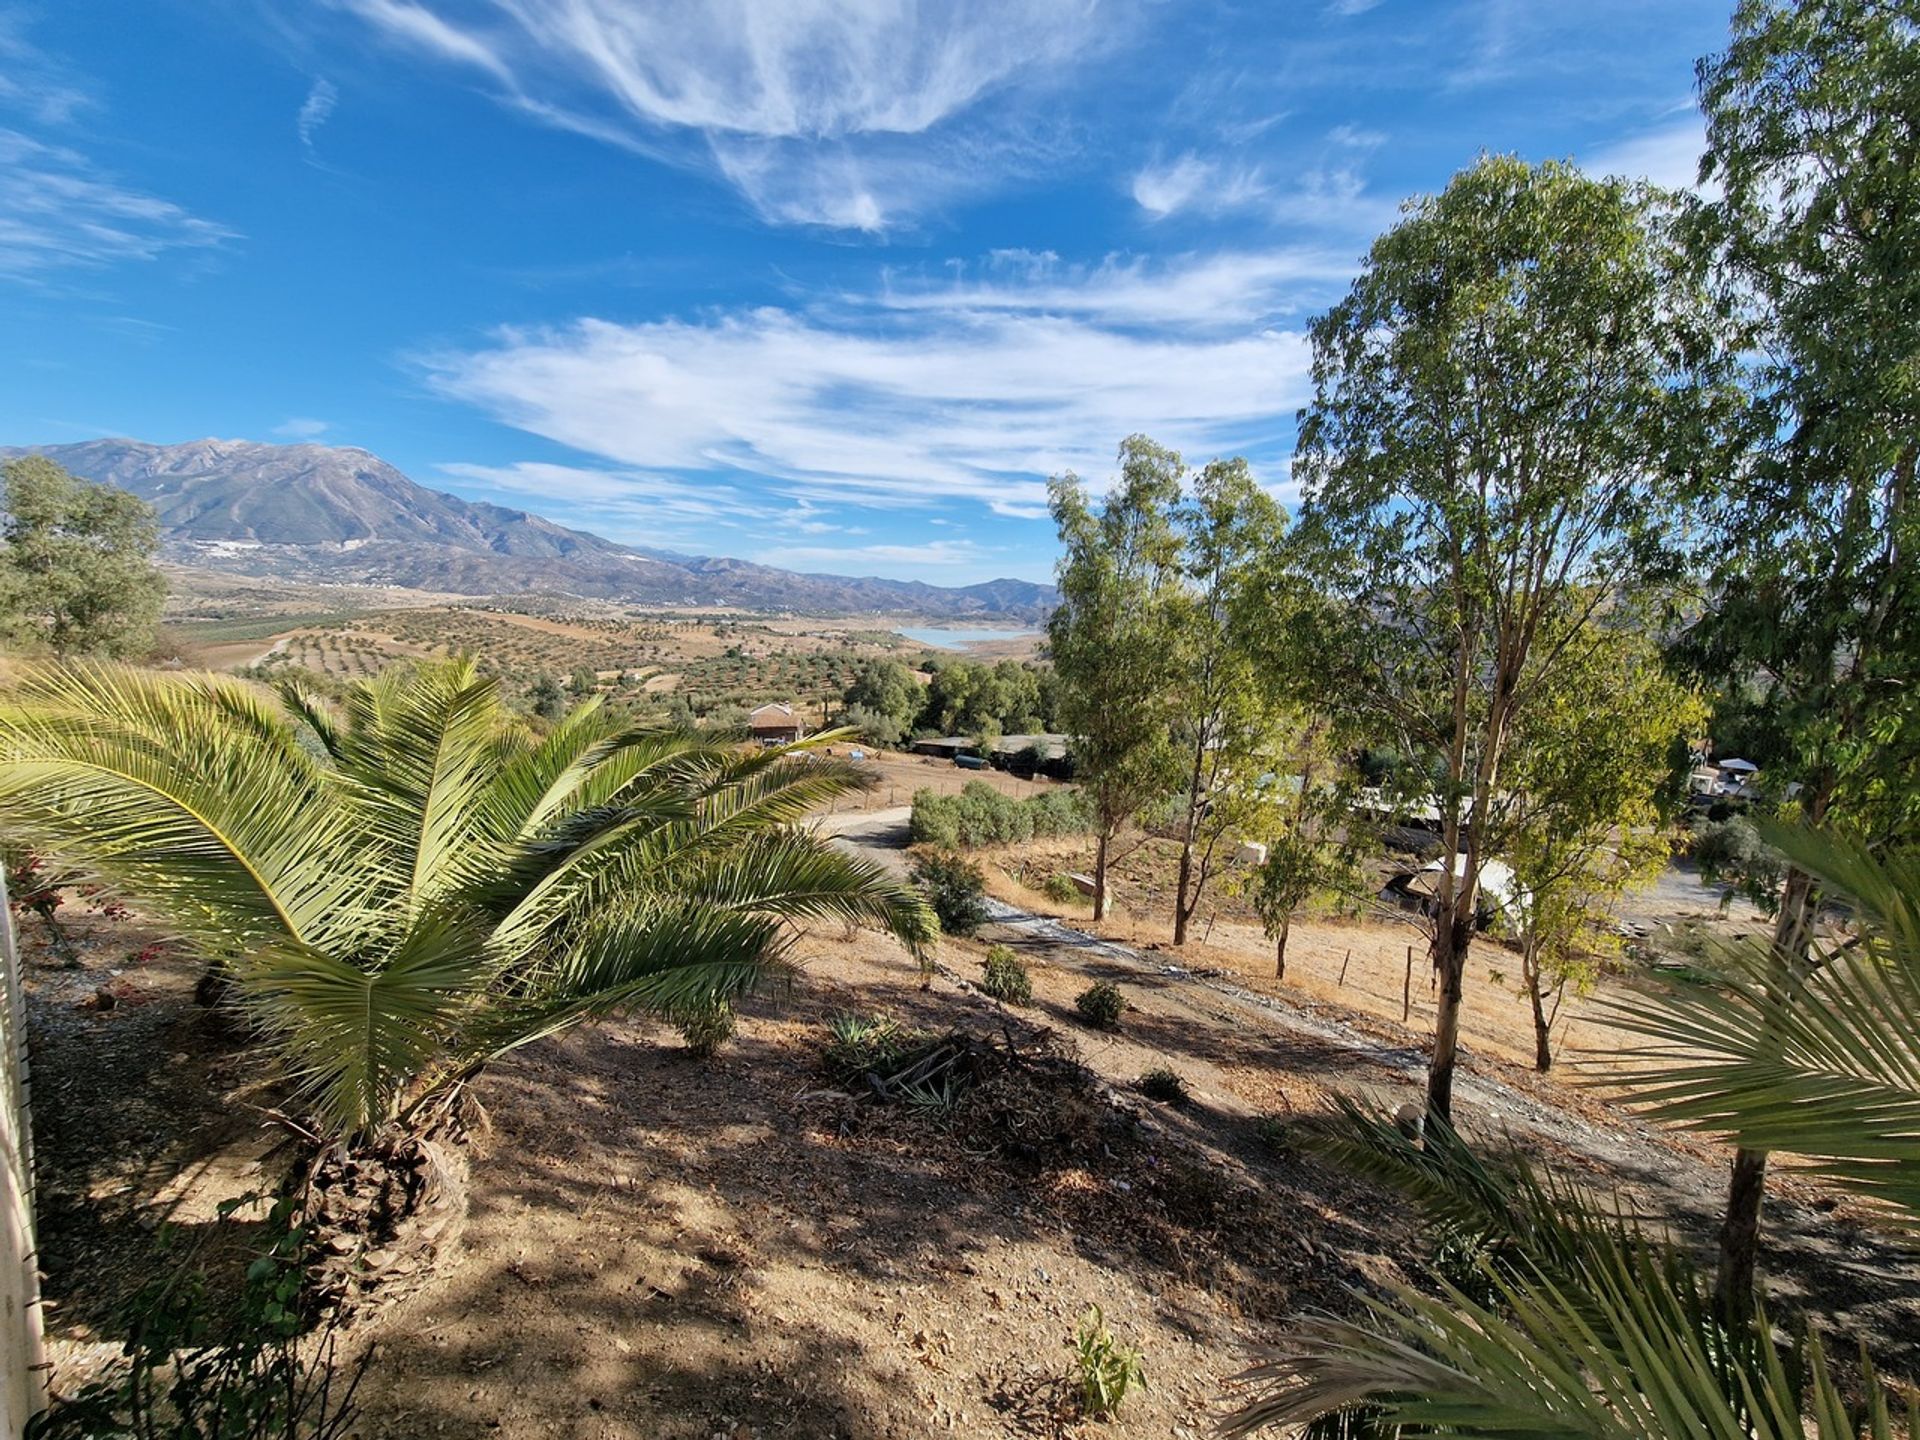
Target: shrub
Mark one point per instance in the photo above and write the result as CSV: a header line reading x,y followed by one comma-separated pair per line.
x,y
1060,889
860,1045
1164,1085
1007,978
707,1028
1107,1368
1101,1005
1732,851
955,891
981,815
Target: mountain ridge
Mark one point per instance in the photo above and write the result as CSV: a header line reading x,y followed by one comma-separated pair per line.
x,y
340,513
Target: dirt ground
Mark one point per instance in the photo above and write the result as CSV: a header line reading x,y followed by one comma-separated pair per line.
x,y
663,1247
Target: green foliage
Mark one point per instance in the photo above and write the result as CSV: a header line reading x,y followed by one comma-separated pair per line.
x,y
707,1028
982,815
1112,636
406,888
1061,890
1101,1005
1731,852
76,573
955,891
1225,724
1589,763
887,696
1006,978
1503,404
1163,1083
966,698
862,1045
1814,626
1108,1369
197,1365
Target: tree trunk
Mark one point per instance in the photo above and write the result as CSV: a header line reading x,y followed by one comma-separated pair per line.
x,y
1542,1039
1181,910
1747,1189
1452,939
1280,948
1740,1235
1100,875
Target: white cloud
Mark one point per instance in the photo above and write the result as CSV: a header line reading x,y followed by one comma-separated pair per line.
x,y
1234,288
300,427
1351,7
33,82
1190,182
800,105
57,212
860,559
1668,156
861,402
315,110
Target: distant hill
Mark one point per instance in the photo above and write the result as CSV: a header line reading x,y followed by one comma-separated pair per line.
x,y
326,512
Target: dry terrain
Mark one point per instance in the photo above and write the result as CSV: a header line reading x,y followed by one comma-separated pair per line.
x,y
660,1247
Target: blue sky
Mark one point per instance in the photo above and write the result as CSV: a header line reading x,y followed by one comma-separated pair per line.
x,y
830,284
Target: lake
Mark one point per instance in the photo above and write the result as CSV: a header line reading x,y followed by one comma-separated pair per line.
x,y
943,637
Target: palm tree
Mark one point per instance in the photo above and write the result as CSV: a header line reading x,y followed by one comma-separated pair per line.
x,y
404,889
1572,1319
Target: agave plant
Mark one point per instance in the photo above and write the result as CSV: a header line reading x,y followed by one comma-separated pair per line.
x,y
1572,1319
406,888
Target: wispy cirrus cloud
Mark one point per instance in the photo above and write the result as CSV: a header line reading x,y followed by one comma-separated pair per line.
x,y
58,213
1163,188
865,559
1668,155
964,396
301,427
799,106
315,111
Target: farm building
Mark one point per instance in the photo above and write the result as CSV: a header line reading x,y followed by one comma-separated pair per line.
x,y
775,724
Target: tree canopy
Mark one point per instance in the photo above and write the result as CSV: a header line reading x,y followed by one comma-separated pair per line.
x,y
76,573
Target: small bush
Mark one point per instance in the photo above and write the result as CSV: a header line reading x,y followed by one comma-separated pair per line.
x,y
1007,978
1107,1368
1061,890
1101,1005
1164,1085
955,891
707,1028
862,1045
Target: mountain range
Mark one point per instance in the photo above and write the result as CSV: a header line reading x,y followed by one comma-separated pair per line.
x,y
339,514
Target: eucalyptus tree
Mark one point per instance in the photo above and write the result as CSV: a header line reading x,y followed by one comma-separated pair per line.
x,y
1813,130
1112,639
1501,405
1591,788
1224,723
407,888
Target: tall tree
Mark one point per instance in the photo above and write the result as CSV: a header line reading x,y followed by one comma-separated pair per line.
x,y
1499,403
1112,637
77,571
1813,115
1228,528
1590,787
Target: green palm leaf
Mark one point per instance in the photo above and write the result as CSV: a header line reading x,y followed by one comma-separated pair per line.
x,y
1821,1063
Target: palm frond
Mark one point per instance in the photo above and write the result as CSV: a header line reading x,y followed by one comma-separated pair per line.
x,y
1821,1062
796,875
354,1036
172,788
